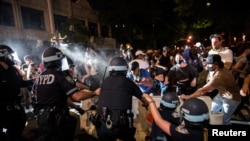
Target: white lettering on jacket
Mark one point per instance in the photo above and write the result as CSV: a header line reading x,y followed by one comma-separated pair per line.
x,y
46,79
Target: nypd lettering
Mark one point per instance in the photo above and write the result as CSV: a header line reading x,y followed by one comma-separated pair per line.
x,y
46,79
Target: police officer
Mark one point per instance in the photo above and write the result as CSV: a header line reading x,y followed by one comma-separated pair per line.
x,y
194,118
168,105
52,88
115,103
13,117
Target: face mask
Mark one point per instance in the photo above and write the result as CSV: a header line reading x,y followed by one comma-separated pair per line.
x,y
179,61
210,68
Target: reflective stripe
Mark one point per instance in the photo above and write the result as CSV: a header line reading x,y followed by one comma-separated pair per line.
x,y
196,118
167,104
117,68
72,90
53,58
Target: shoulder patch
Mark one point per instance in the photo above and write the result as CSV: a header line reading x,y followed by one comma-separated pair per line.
x,y
70,79
181,129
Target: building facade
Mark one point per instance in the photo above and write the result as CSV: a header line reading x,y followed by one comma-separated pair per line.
x,y
30,22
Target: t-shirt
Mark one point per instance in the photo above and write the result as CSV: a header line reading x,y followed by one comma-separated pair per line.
x,y
142,64
142,74
224,81
225,53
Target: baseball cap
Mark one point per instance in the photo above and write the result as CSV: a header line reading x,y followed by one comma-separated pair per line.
x,y
138,52
216,36
213,58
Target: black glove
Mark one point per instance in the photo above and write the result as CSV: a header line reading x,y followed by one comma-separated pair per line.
x,y
80,110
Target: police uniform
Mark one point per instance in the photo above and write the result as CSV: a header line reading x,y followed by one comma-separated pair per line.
x,y
114,108
52,88
184,133
168,105
167,114
195,117
13,117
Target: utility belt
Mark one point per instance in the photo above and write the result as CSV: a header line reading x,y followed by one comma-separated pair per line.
x,y
10,106
116,118
52,115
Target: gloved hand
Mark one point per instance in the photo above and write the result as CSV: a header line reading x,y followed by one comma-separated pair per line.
x,y
80,110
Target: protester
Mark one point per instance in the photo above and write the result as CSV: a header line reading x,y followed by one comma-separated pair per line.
x,y
244,91
241,68
164,60
225,53
228,96
218,48
183,76
141,77
140,58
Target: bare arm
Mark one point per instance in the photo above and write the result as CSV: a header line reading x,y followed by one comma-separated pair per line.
x,y
160,122
84,94
199,92
146,81
245,88
228,65
238,67
81,85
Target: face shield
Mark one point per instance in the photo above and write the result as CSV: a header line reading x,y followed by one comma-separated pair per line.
x,y
14,57
65,64
10,57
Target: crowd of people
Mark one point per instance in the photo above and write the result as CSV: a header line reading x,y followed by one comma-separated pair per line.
x,y
54,84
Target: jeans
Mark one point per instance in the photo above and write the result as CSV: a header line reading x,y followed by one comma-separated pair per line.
x,y
226,106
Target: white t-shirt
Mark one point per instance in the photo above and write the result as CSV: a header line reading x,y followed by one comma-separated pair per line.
x,y
225,53
142,64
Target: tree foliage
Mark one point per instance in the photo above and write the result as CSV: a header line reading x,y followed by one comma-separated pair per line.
x,y
164,21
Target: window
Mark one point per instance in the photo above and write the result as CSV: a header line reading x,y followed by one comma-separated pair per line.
x,y
32,18
59,21
6,14
93,28
105,31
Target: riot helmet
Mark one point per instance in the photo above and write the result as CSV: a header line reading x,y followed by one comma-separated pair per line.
x,y
194,112
52,57
5,51
169,100
8,55
118,65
